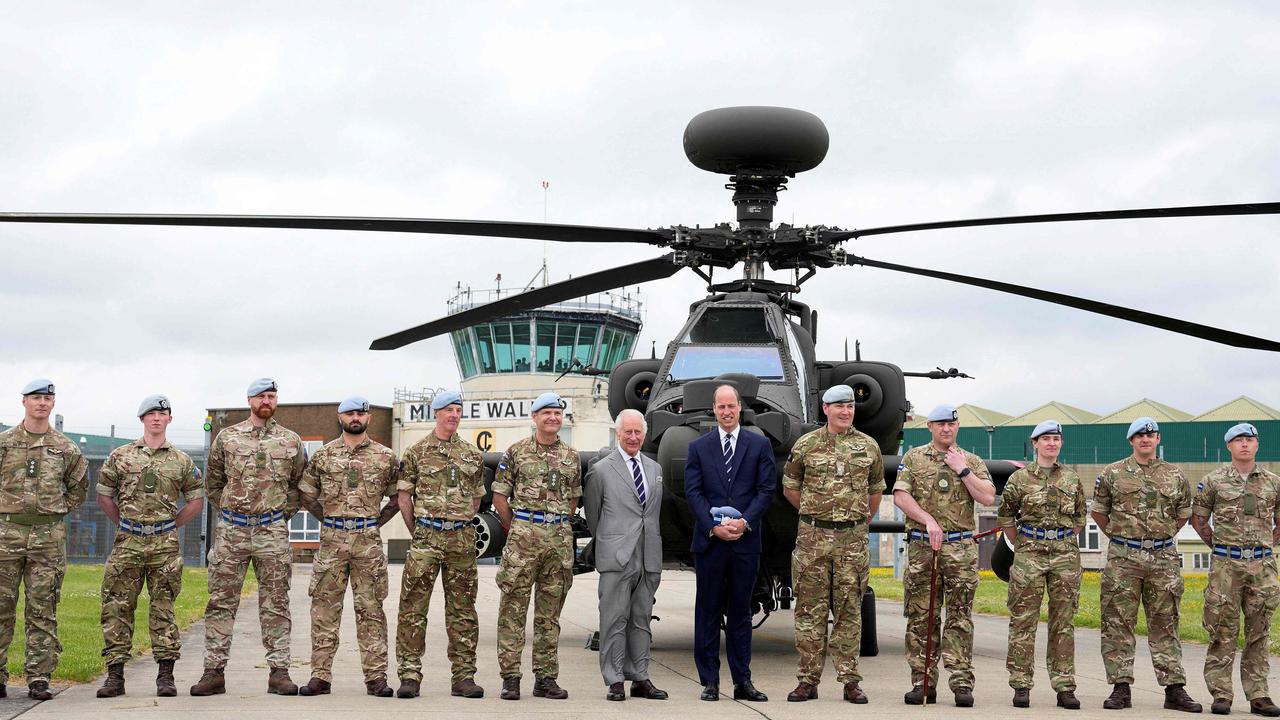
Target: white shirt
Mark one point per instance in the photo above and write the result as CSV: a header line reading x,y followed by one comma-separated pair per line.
x,y
627,461
733,444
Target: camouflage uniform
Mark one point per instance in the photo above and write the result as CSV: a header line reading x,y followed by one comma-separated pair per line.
x,y
349,484
1244,514
1046,499
537,478
146,485
835,474
1142,502
252,471
444,478
42,477
925,476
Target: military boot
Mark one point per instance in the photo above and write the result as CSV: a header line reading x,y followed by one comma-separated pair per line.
x,y
915,695
212,682
1263,706
1067,699
1021,697
39,690
113,686
1176,698
1119,699
547,688
511,688
315,686
964,697
279,682
1221,706
378,688
165,686
408,688
4,691
466,688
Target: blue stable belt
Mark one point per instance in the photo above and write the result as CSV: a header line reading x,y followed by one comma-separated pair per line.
x,y
1242,553
438,524
953,536
1038,533
538,516
1143,543
349,523
136,528
243,520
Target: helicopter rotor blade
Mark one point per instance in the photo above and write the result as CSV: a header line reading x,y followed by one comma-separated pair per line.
x,y
1270,208
1183,327
483,228
633,274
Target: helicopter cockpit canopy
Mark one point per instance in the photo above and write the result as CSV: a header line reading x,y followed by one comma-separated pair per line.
x,y
707,361
730,324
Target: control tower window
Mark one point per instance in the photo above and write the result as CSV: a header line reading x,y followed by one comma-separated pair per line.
x,y
520,345
546,343
586,345
731,325
484,340
502,347
566,333
466,352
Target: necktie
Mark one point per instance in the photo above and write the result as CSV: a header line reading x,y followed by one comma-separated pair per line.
x,y
728,453
639,480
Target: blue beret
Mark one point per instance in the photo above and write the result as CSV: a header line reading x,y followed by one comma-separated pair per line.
x,y
445,399
353,403
1240,430
39,386
943,413
1048,427
838,394
547,400
259,386
154,402
1142,425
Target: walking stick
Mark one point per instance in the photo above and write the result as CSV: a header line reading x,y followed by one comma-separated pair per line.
x,y
928,643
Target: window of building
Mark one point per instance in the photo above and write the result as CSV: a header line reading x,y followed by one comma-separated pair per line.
x,y
502,347
304,527
585,348
466,352
1200,561
520,345
546,345
1091,539
566,334
484,344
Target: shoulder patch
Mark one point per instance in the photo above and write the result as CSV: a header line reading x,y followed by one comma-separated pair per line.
x,y
1200,487
901,467
1097,482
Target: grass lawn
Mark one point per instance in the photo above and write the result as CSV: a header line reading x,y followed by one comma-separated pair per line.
x,y
80,628
992,600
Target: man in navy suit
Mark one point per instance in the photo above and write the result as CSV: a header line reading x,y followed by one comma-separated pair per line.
x,y
727,468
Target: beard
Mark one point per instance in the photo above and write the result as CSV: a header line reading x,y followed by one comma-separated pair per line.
x,y
355,428
265,411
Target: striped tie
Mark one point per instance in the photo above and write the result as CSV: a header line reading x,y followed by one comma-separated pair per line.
x,y
728,454
639,480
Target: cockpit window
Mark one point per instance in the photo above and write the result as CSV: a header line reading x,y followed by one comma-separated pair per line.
x,y
730,325
693,362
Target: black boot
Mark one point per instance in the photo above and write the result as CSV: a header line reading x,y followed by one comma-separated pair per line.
x,y
165,686
113,686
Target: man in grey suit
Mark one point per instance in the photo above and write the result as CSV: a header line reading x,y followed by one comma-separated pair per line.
x,y
623,499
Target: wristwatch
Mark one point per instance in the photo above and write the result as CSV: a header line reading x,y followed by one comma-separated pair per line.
x,y
964,473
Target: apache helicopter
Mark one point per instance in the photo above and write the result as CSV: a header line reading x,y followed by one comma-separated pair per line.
x,y
751,332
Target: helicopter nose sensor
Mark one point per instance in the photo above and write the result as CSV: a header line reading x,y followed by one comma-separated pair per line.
x,y
757,140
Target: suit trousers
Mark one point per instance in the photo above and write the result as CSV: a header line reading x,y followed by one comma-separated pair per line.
x,y
626,607
725,581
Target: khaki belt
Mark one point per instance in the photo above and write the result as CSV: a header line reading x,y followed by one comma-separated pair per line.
x,y
829,524
31,518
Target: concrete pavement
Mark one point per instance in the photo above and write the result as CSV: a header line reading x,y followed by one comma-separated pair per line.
x,y
773,669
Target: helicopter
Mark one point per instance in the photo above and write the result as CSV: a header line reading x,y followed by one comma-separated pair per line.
x,y
752,331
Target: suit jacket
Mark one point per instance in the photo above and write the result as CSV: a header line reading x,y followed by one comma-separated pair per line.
x,y
707,484
619,525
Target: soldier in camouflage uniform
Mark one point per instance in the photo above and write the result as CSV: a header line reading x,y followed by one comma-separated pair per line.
x,y
252,477
543,479
835,478
936,488
139,488
441,486
1042,511
344,485
1244,502
43,476
1140,503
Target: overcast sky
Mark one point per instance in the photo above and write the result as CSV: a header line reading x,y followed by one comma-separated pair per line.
x,y
452,110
